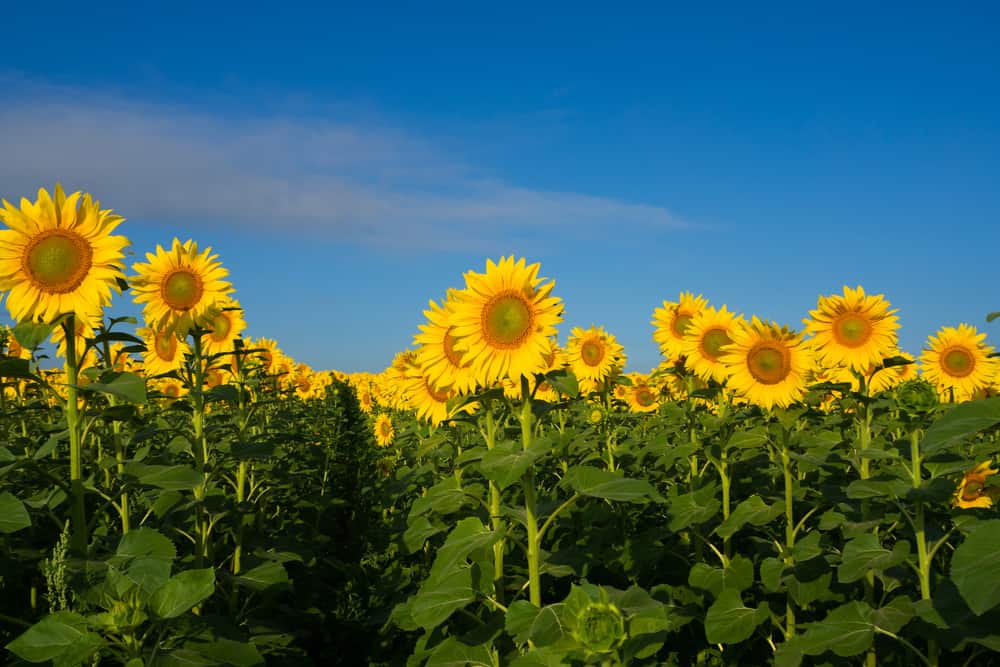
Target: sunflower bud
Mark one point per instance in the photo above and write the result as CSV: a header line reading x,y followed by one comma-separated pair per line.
x,y
600,627
916,396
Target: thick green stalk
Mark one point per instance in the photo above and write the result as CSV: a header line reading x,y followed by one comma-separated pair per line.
x,y
530,508
923,555
495,517
786,464
201,446
78,511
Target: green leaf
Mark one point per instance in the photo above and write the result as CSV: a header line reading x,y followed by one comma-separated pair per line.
x,y
728,621
468,536
61,636
959,423
453,653
417,533
15,368
437,600
520,616
564,382
127,386
865,553
226,652
182,592
13,514
174,478
880,487
992,316
252,451
263,576
597,483
145,543
752,439
771,569
508,461
693,508
445,497
31,335
737,576
754,511
975,567
895,615
847,631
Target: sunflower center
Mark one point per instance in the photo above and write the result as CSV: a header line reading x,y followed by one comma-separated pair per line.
x,y
712,342
680,325
221,326
172,390
165,345
852,330
957,362
507,320
769,363
644,396
449,350
182,289
386,429
592,352
57,260
439,396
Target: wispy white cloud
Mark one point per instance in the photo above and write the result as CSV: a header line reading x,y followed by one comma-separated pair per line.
x,y
323,178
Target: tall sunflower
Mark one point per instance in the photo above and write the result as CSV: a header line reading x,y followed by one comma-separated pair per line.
x,y
672,320
957,362
594,354
225,323
180,286
436,354
164,350
767,364
706,334
853,330
504,319
58,256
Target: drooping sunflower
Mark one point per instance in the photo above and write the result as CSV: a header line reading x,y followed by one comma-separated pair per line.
x,y
706,334
972,490
672,320
180,286
384,430
436,354
58,256
767,364
594,354
225,323
957,362
164,350
853,330
503,321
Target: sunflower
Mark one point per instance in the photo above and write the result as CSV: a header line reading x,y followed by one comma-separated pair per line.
x,y
14,348
365,400
171,388
767,364
594,354
437,357
58,256
179,287
642,395
384,431
504,319
972,490
672,320
264,355
225,323
853,330
956,361
706,333
164,350
429,402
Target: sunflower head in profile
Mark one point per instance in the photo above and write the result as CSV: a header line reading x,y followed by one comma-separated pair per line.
x,y
704,337
384,430
671,321
973,491
58,256
594,355
224,323
504,319
957,362
767,364
179,287
853,330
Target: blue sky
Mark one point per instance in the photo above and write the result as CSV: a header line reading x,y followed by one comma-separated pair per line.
x,y
348,164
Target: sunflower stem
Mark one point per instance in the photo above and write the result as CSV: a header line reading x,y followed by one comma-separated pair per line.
x,y
78,512
530,503
496,519
786,465
924,557
201,444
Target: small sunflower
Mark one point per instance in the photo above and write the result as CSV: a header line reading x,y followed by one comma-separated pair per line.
x,y
642,396
672,320
171,388
164,350
437,356
179,287
384,430
853,330
225,323
972,490
767,364
58,256
706,334
594,354
957,362
504,319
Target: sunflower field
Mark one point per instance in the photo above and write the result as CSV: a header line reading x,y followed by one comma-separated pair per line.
x,y
172,493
